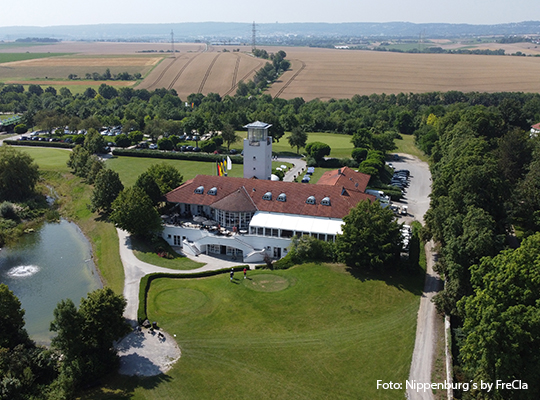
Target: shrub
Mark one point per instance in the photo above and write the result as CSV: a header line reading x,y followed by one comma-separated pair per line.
x,y
7,211
21,128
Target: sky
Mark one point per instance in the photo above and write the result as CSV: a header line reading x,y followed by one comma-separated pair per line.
x,y
70,12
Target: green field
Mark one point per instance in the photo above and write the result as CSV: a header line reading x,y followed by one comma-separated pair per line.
x,y
10,57
310,332
13,45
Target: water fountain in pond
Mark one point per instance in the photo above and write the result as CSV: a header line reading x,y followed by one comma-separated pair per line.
x,y
23,271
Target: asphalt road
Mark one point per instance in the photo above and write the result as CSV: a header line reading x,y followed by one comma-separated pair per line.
x,y
417,200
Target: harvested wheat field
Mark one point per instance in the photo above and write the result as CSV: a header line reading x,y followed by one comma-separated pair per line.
x,y
202,72
325,74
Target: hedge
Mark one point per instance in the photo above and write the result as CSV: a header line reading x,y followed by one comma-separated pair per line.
x,y
39,143
175,155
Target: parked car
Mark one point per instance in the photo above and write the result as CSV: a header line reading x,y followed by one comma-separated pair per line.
x,y
196,149
153,146
233,151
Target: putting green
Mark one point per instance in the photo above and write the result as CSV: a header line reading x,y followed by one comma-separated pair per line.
x,y
180,300
266,283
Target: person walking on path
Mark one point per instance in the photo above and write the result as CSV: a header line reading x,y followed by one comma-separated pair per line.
x,y
232,274
245,272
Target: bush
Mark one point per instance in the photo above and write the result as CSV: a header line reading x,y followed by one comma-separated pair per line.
x,y
7,211
39,143
21,128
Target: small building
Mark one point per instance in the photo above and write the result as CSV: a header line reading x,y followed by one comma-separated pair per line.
x,y
535,130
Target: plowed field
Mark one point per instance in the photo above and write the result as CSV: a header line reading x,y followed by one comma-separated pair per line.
x,y
202,72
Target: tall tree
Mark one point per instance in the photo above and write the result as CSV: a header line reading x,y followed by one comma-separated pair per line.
x,y
229,135
297,138
502,320
18,174
166,177
93,142
12,332
107,186
371,238
134,212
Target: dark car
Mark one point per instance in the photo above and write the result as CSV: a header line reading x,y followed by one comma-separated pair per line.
x,y
233,151
196,149
189,148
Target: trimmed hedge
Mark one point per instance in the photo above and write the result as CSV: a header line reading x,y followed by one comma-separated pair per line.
x,y
175,155
147,280
39,143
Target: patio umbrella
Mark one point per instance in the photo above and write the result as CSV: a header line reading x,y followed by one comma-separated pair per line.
x,y
210,222
199,218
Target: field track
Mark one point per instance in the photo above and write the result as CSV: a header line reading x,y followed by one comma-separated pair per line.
x,y
171,85
286,85
207,73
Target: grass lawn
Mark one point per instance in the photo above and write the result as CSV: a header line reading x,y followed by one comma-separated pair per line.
x,y
144,251
310,332
129,168
340,144
407,146
49,159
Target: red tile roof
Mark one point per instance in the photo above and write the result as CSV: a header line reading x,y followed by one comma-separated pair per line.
x,y
536,126
345,177
245,195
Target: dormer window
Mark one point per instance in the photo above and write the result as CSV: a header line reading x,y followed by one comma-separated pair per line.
x,y
325,201
267,196
199,190
310,200
282,197
213,191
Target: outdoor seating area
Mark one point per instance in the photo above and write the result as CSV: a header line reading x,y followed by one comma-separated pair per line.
x,y
199,222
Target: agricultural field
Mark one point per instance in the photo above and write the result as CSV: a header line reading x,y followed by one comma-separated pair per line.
x,y
281,335
315,72
203,73
329,73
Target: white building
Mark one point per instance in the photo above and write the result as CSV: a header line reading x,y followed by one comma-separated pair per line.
x,y
255,217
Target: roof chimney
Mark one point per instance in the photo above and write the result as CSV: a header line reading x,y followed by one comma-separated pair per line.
x,y
339,171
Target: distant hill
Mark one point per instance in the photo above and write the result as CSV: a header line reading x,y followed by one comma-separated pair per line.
x,y
242,31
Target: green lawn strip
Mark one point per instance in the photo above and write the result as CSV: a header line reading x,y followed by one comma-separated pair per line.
x,y
49,159
146,252
407,146
326,335
10,57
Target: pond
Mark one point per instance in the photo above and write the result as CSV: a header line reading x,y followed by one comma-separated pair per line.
x,y
44,267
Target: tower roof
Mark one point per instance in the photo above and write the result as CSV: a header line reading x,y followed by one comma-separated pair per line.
x,y
258,125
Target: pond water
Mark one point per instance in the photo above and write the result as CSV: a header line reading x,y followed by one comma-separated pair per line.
x,y
44,267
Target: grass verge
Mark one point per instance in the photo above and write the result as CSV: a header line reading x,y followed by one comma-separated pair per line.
x,y
147,252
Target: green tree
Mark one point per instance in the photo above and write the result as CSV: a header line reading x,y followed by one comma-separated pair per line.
x,y
89,93
85,336
135,137
371,238
107,186
78,161
318,150
166,177
12,332
148,184
404,123
362,138
208,146
133,211
122,140
359,154
502,320
229,135
18,174
297,138
35,89
165,144
94,142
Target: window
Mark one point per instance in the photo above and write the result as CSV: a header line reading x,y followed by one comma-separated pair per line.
x,y
282,197
199,190
213,191
267,196
325,201
310,200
